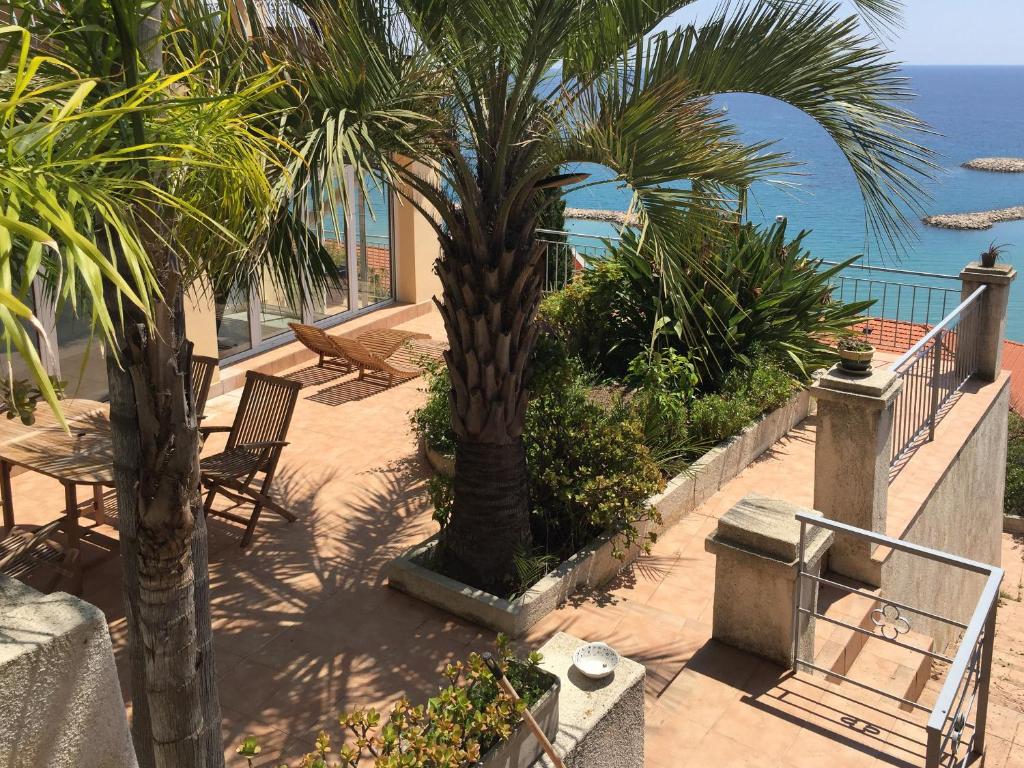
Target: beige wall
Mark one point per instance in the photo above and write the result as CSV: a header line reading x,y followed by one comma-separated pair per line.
x,y
201,318
416,250
962,516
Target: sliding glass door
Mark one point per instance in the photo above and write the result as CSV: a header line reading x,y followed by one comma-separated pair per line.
x,y
358,237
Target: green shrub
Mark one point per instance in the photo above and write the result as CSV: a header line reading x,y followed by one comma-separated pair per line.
x,y
766,384
432,422
1013,501
663,385
717,416
452,730
590,472
742,289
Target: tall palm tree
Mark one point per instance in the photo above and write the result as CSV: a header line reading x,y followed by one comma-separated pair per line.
x,y
519,91
191,169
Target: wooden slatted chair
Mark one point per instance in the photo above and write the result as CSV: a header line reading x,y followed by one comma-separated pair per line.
x,y
253,448
365,359
319,343
202,377
25,551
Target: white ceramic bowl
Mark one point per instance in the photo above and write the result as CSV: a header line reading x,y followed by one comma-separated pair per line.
x,y
595,660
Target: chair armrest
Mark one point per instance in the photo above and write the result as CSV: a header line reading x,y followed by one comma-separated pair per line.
x,y
263,444
204,431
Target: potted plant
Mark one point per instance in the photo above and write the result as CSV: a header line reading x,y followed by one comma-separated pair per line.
x,y
855,354
991,255
470,723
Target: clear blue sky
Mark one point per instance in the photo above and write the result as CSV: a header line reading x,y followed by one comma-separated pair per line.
x,y
945,31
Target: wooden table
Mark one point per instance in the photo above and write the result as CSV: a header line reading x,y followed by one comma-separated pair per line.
x,y
82,457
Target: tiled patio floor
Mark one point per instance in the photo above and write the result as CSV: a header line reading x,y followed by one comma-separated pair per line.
x,y
305,627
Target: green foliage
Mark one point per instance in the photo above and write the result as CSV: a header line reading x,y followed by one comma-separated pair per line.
x,y
432,422
1013,503
590,471
664,383
20,397
452,730
760,290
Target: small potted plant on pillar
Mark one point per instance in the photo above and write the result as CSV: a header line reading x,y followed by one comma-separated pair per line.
x,y
991,255
855,354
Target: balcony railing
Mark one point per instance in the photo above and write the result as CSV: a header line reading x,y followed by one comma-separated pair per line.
x,y
934,370
956,723
906,303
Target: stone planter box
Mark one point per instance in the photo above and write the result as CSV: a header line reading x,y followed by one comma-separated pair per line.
x,y
523,749
594,565
1013,524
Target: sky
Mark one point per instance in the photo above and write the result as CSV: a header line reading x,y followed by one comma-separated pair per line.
x,y
944,31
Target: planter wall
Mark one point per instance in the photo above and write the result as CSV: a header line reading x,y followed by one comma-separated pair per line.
x,y
523,749
595,564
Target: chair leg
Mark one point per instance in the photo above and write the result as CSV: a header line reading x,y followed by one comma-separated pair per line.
x,y
251,527
208,504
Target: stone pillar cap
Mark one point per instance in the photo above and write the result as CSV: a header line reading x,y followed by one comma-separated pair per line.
x,y
768,527
1000,274
881,386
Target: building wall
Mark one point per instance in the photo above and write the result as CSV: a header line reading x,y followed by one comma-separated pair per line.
x,y
416,250
961,516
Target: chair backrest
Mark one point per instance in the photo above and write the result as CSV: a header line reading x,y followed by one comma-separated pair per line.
x,y
20,544
314,339
202,376
265,410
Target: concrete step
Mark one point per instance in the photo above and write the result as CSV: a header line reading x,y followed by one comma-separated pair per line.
x,y
836,648
899,671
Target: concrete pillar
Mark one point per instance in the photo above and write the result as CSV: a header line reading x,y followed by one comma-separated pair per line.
x,y
851,461
61,703
990,322
757,549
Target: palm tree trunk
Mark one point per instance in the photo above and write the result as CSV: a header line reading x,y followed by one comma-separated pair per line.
x,y
489,308
176,713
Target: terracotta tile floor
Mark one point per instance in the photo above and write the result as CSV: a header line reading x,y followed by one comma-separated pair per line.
x,y
305,627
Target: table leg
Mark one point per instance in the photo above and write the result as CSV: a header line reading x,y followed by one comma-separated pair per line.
x,y
8,496
97,505
72,532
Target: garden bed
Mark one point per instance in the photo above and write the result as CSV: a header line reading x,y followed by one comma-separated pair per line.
x,y
522,748
594,564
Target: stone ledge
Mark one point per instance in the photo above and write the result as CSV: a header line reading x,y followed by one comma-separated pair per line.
x,y
601,722
1013,524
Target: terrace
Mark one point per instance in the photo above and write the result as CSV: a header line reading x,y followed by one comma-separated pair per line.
x,y
305,626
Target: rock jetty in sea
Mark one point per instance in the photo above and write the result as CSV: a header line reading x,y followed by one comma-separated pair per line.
x,y
997,164
977,220
592,214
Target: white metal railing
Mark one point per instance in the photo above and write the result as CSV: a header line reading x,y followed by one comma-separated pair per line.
x,y
956,722
933,371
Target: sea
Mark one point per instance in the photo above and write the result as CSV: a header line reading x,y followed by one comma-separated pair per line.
x,y
972,111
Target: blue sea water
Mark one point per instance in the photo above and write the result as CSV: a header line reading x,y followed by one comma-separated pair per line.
x,y
974,111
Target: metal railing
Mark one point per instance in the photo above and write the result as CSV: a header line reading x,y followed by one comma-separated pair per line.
x,y
566,254
902,312
957,720
933,371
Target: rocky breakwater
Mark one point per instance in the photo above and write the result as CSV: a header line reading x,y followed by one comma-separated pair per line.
x,y
997,164
975,220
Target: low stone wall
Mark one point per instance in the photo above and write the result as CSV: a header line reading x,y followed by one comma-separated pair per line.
x,y
963,516
595,565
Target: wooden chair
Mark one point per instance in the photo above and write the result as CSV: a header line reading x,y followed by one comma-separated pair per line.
x,y
365,359
24,552
253,448
318,342
202,376
368,350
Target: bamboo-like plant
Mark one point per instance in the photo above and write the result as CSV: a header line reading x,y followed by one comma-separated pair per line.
x,y
501,99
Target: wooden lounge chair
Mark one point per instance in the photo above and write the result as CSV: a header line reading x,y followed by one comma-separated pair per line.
x,y
25,551
202,376
365,359
368,350
253,448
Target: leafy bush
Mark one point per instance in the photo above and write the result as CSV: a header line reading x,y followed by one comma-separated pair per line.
x,y
452,730
590,471
1013,503
663,385
746,288
432,422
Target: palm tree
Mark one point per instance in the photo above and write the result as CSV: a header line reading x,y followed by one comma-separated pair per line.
x,y
519,91
175,177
